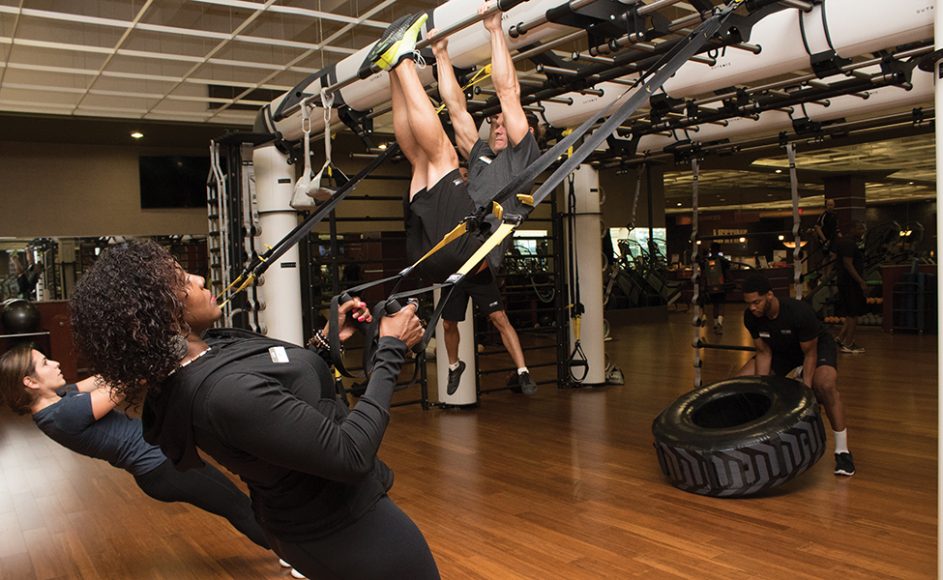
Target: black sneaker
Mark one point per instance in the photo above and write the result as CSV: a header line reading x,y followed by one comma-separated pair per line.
x,y
455,377
397,42
844,464
527,384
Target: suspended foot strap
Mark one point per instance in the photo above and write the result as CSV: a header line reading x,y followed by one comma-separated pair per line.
x,y
578,359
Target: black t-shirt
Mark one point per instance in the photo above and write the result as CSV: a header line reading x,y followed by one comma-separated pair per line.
x,y
796,323
490,172
847,247
829,224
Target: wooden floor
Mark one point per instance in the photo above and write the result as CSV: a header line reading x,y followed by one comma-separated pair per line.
x,y
564,484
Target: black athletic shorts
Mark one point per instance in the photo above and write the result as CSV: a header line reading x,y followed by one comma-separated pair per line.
x,y
482,288
851,300
431,214
826,356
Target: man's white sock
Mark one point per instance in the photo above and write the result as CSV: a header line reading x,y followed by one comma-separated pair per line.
x,y
841,441
454,366
522,370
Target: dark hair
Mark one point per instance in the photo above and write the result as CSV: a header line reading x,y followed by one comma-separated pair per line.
x,y
534,123
127,316
715,247
15,365
756,283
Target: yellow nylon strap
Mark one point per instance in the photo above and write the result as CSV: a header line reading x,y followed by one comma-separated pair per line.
x,y
569,151
526,199
496,210
249,279
479,77
491,243
453,235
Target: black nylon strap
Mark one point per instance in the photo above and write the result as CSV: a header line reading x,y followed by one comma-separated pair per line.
x,y
261,263
673,60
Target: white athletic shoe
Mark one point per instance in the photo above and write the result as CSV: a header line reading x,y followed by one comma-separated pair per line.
x,y
294,573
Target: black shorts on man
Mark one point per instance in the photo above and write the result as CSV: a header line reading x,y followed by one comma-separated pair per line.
x,y
431,214
482,288
826,355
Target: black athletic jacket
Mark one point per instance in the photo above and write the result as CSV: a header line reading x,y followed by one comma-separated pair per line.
x,y
267,411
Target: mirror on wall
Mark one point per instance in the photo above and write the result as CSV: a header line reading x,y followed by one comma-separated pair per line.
x,y
46,269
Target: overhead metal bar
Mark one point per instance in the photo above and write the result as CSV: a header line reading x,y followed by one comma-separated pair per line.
x,y
852,128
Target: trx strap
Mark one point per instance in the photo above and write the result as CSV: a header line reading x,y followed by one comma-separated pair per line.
x,y
261,263
696,272
577,358
794,183
638,190
673,59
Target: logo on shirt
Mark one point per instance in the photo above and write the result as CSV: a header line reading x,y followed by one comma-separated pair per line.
x,y
485,159
278,354
785,331
764,334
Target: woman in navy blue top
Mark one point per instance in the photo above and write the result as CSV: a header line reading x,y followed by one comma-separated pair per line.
x,y
82,417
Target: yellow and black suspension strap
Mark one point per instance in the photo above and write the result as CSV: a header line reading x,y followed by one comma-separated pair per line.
x,y
577,358
261,263
480,76
666,66
370,333
394,303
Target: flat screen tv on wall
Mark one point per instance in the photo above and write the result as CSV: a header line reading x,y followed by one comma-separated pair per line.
x,y
170,181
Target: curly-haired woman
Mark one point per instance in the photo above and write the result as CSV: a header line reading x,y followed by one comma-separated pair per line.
x,y
263,408
82,417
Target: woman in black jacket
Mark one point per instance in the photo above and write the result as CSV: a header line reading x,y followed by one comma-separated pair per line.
x,y
263,408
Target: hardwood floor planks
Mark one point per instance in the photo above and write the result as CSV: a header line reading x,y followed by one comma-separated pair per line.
x,y
564,484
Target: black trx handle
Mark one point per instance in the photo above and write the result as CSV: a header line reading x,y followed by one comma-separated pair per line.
x,y
578,360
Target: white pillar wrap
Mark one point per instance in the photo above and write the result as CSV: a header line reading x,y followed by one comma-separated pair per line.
x,y
589,258
467,393
281,291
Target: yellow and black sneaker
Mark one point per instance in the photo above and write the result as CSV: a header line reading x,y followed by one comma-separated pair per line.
x,y
398,42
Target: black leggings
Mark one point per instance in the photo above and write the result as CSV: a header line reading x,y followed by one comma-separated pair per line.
x,y
207,489
382,544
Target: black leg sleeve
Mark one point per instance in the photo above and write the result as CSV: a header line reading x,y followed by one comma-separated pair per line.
x,y
207,489
383,544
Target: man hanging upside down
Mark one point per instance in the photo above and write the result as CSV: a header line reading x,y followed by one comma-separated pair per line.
x,y
439,196
491,166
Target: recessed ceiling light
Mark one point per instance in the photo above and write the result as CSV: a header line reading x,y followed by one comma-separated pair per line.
x,y
910,183
778,171
137,135
383,146
679,204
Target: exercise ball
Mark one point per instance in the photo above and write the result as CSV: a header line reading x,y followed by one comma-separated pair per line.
x,y
19,316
